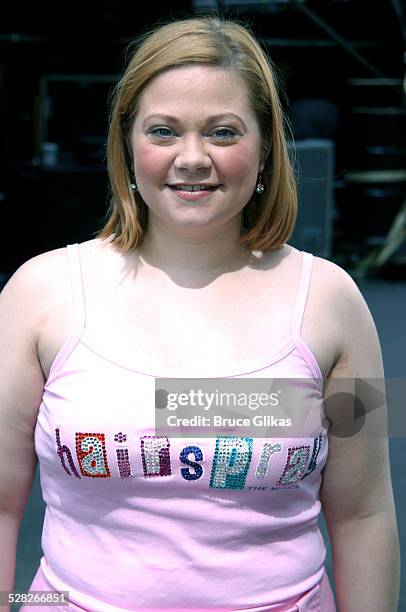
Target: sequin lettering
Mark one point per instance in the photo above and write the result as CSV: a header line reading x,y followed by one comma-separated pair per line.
x,y
92,456
122,455
64,450
232,458
120,437
123,462
298,457
317,442
184,458
268,450
230,465
155,456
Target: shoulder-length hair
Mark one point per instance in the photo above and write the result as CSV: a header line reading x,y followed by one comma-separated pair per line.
x,y
268,218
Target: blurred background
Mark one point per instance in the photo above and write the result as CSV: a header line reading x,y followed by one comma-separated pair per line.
x,y
340,62
342,66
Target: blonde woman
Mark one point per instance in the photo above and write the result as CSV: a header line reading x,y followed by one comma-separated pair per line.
x,y
192,276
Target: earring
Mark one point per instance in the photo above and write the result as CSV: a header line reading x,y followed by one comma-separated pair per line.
x,y
134,186
260,188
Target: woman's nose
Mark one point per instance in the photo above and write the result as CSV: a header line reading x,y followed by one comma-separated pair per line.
x,y
192,154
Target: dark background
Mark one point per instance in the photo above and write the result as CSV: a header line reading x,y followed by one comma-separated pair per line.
x,y
78,49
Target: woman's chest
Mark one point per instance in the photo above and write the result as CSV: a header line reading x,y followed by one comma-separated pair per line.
x,y
219,330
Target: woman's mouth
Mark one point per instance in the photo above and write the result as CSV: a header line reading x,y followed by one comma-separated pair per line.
x,y
193,192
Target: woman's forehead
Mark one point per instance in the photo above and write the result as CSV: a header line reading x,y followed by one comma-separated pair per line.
x,y
205,89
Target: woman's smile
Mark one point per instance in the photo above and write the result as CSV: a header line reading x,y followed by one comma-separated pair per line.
x,y
193,193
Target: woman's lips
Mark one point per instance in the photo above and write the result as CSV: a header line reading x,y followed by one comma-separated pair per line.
x,y
192,196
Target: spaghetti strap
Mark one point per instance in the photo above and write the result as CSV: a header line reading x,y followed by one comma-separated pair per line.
x,y
78,296
79,311
304,284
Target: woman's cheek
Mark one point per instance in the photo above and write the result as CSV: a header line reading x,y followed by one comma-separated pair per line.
x,y
241,165
150,161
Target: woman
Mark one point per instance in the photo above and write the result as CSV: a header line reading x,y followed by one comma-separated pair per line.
x,y
192,277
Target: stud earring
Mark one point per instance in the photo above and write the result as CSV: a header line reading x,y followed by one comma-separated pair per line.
x,y
260,188
134,186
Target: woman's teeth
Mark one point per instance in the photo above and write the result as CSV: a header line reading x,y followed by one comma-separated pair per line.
x,y
194,187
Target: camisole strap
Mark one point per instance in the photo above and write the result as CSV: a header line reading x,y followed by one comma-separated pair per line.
x,y
79,312
78,296
304,284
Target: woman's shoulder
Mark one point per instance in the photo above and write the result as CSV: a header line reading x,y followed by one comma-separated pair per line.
x,y
51,266
44,279
331,286
338,311
328,276
32,280
336,282
340,296
31,293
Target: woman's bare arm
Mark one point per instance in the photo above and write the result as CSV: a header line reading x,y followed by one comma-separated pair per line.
x,y
21,386
356,493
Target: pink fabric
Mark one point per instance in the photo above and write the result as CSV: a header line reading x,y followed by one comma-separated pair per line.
x,y
319,598
166,537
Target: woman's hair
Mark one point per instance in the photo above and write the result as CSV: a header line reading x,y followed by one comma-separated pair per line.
x,y
268,218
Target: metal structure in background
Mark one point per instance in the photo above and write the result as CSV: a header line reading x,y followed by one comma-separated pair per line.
x,y
375,184
380,182
400,10
343,42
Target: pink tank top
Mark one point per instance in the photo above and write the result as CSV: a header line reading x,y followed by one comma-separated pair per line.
x,y
135,521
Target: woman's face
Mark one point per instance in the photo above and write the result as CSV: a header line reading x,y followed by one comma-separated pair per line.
x,y
195,126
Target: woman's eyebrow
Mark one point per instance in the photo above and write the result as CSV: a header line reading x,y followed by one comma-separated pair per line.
x,y
175,120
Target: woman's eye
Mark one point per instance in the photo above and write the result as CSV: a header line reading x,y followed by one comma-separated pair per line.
x,y
224,133
162,132
219,134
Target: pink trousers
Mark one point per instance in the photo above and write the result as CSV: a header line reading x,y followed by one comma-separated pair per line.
x,y
318,599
